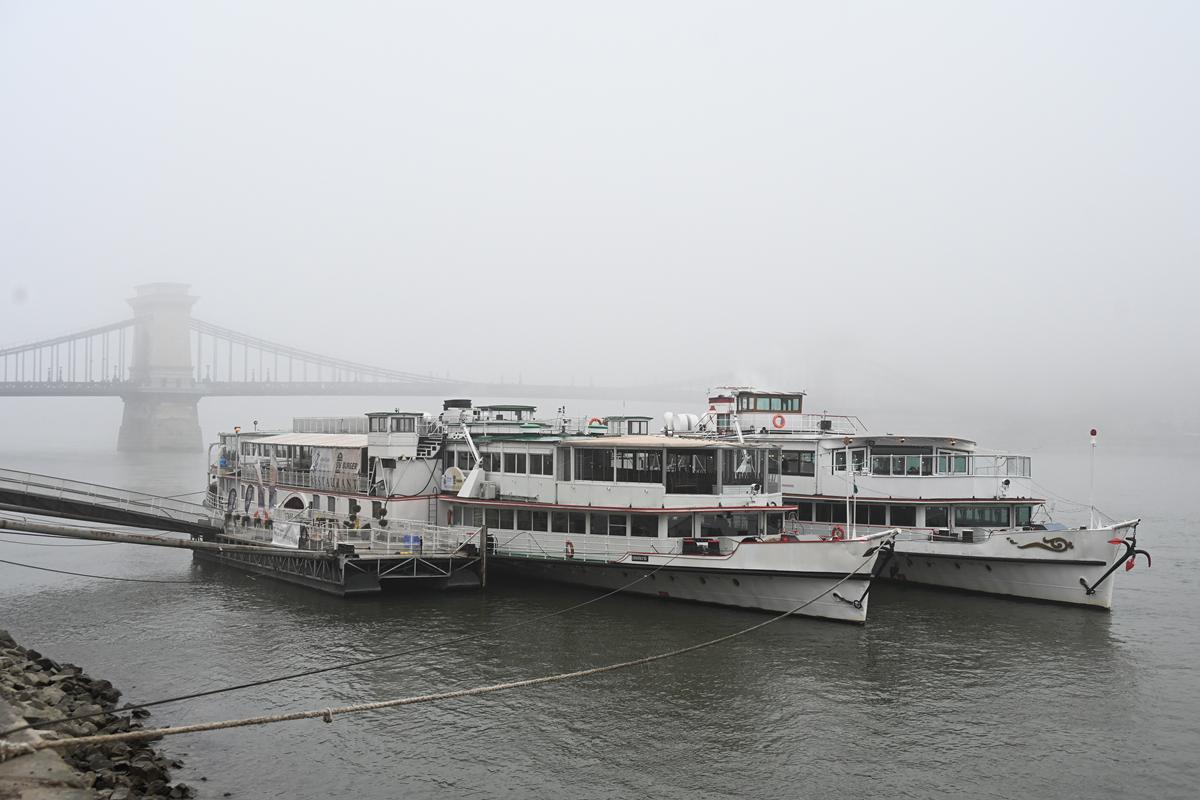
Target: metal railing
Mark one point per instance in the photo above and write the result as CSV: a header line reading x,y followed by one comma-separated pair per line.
x,y
329,424
309,531
583,547
49,486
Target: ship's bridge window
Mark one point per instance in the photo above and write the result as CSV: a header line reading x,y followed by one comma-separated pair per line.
x,y
858,457
376,424
637,427
904,516
514,463
981,516
404,424
1024,514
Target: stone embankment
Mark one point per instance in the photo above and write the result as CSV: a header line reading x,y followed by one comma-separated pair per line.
x,y
41,690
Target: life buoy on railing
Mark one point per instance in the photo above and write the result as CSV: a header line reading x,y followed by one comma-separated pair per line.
x,y
779,420
595,421
570,549
838,533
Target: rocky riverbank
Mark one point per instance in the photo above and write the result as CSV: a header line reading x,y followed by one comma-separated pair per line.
x,y
43,690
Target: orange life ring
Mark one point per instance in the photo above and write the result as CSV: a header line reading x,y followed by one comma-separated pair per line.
x,y
570,549
595,420
779,420
838,533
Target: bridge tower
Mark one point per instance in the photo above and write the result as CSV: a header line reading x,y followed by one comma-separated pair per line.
x,y
160,403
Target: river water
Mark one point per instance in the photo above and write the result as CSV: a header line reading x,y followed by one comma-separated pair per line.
x,y
939,694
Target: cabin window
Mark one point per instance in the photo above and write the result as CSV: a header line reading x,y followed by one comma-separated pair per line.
x,y
829,512
507,517
476,516
1024,514
331,504
729,524
643,525
404,424
564,464
540,521
937,517
558,522
639,466
679,526
490,461
593,464
904,516
637,427
376,424
604,524
774,524
376,508
316,502
524,520
804,511
741,467
463,460
491,517
541,464
799,462
981,516
691,472
514,463
870,514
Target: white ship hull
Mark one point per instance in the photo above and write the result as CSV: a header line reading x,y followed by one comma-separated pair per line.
x,y
774,577
1055,566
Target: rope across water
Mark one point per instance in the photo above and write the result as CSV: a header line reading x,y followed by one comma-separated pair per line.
x,y
10,749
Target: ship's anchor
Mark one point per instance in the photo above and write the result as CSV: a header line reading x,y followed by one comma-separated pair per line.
x,y
1129,557
885,554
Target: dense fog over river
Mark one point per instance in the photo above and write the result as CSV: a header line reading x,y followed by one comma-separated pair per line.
x,y
928,214
963,219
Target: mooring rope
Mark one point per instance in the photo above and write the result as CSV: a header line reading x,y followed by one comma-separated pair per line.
x,y
356,663
10,749
88,575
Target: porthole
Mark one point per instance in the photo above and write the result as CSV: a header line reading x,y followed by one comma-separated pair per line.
x,y
736,582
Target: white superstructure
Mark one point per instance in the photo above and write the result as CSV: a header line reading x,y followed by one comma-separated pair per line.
x,y
970,519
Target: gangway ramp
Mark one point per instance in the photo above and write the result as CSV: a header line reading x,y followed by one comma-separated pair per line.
x,y
53,496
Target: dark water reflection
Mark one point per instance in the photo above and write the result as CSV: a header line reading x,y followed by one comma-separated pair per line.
x,y
940,694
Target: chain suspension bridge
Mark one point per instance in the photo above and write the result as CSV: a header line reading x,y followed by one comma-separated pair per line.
x,y
162,361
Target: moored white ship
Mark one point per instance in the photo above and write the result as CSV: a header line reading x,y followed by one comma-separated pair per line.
x,y
595,502
969,519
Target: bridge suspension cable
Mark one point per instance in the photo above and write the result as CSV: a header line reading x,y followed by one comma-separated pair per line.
x,y
296,363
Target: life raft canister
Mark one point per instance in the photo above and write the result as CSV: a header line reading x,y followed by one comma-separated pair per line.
x,y
570,549
838,533
779,420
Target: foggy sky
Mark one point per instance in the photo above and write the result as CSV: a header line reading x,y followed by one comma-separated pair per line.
x,y
967,212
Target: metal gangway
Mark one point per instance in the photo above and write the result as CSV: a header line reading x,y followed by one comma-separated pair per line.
x,y
49,495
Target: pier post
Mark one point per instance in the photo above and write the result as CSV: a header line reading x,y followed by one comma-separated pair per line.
x,y
483,554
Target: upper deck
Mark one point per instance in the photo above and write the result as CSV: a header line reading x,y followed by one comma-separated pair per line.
x,y
618,470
